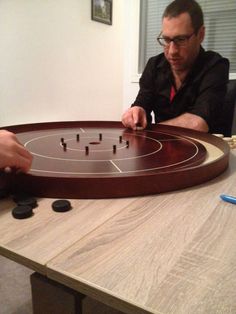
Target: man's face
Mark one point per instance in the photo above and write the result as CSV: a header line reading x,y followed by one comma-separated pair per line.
x,y
181,57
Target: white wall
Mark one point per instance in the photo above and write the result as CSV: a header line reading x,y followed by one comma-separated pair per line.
x,y
57,64
131,47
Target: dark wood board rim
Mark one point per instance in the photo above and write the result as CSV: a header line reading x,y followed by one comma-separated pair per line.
x,y
126,186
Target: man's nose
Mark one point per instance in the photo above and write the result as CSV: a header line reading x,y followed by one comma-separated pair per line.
x,y
173,48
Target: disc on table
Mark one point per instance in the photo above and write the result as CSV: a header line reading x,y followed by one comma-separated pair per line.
x,y
22,212
61,206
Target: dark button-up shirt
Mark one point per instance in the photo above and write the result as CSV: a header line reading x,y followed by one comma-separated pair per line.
x,y
202,92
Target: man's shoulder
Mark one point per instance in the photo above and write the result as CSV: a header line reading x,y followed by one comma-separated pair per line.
x,y
158,60
210,58
209,62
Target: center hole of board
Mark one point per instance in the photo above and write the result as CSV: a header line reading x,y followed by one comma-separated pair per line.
x,y
94,143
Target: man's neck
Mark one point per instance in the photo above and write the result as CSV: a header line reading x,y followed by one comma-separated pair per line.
x,y
179,78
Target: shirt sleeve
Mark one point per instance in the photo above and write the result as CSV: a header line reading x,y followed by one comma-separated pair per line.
x,y
145,97
211,92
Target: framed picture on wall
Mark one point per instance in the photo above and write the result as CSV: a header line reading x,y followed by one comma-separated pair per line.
x,y
102,11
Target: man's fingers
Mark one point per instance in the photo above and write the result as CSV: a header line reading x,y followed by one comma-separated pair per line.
x,y
20,158
144,120
135,118
25,159
140,119
128,119
19,163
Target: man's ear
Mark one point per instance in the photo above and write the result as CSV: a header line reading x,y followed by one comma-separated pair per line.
x,y
201,33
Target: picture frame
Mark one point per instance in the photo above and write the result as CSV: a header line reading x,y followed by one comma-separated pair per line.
x,y
102,11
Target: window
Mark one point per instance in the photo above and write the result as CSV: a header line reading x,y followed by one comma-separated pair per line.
x,y
219,19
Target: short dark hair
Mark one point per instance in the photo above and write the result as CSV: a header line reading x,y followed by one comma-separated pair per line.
x,y
191,7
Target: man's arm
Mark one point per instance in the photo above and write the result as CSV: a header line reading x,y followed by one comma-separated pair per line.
x,y
188,120
140,111
209,104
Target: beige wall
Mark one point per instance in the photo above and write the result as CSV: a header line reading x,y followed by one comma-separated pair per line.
x,y
58,64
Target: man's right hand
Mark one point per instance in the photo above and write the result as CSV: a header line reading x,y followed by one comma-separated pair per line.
x,y
135,118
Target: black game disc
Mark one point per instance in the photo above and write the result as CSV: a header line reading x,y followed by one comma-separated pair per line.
x,y
29,201
17,197
61,206
21,212
3,193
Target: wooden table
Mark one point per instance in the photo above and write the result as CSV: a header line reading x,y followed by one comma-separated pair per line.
x,y
168,253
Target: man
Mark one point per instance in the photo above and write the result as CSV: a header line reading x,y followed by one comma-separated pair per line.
x,y
184,86
12,153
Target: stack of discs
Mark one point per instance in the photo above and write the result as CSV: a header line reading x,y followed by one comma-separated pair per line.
x,y
25,205
230,141
234,141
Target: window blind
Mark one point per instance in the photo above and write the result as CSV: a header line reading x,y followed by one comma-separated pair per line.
x,y
219,19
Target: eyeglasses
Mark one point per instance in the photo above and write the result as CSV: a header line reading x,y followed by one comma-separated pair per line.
x,y
179,41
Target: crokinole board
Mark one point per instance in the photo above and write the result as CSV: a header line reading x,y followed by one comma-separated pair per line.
x,y
105,160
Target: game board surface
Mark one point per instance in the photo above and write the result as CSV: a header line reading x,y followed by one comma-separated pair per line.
x,y
103,159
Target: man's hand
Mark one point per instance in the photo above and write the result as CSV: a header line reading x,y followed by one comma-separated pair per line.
x,y
12,153
135,118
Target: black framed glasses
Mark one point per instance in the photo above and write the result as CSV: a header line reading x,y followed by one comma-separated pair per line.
x,y
179,41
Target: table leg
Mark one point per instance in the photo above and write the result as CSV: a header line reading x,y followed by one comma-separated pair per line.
x,y
50,297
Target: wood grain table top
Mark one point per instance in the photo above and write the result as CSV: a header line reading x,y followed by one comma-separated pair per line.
x,y
33,242
167,253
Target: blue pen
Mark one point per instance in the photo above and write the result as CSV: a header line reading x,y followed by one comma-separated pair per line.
x,y
228,198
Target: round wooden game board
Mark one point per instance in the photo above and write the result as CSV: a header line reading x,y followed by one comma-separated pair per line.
x,y
145,162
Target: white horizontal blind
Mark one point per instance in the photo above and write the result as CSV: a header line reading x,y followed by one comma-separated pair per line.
x,y
150,26
220,22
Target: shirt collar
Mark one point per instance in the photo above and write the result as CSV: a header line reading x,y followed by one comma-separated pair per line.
x,y
165,66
